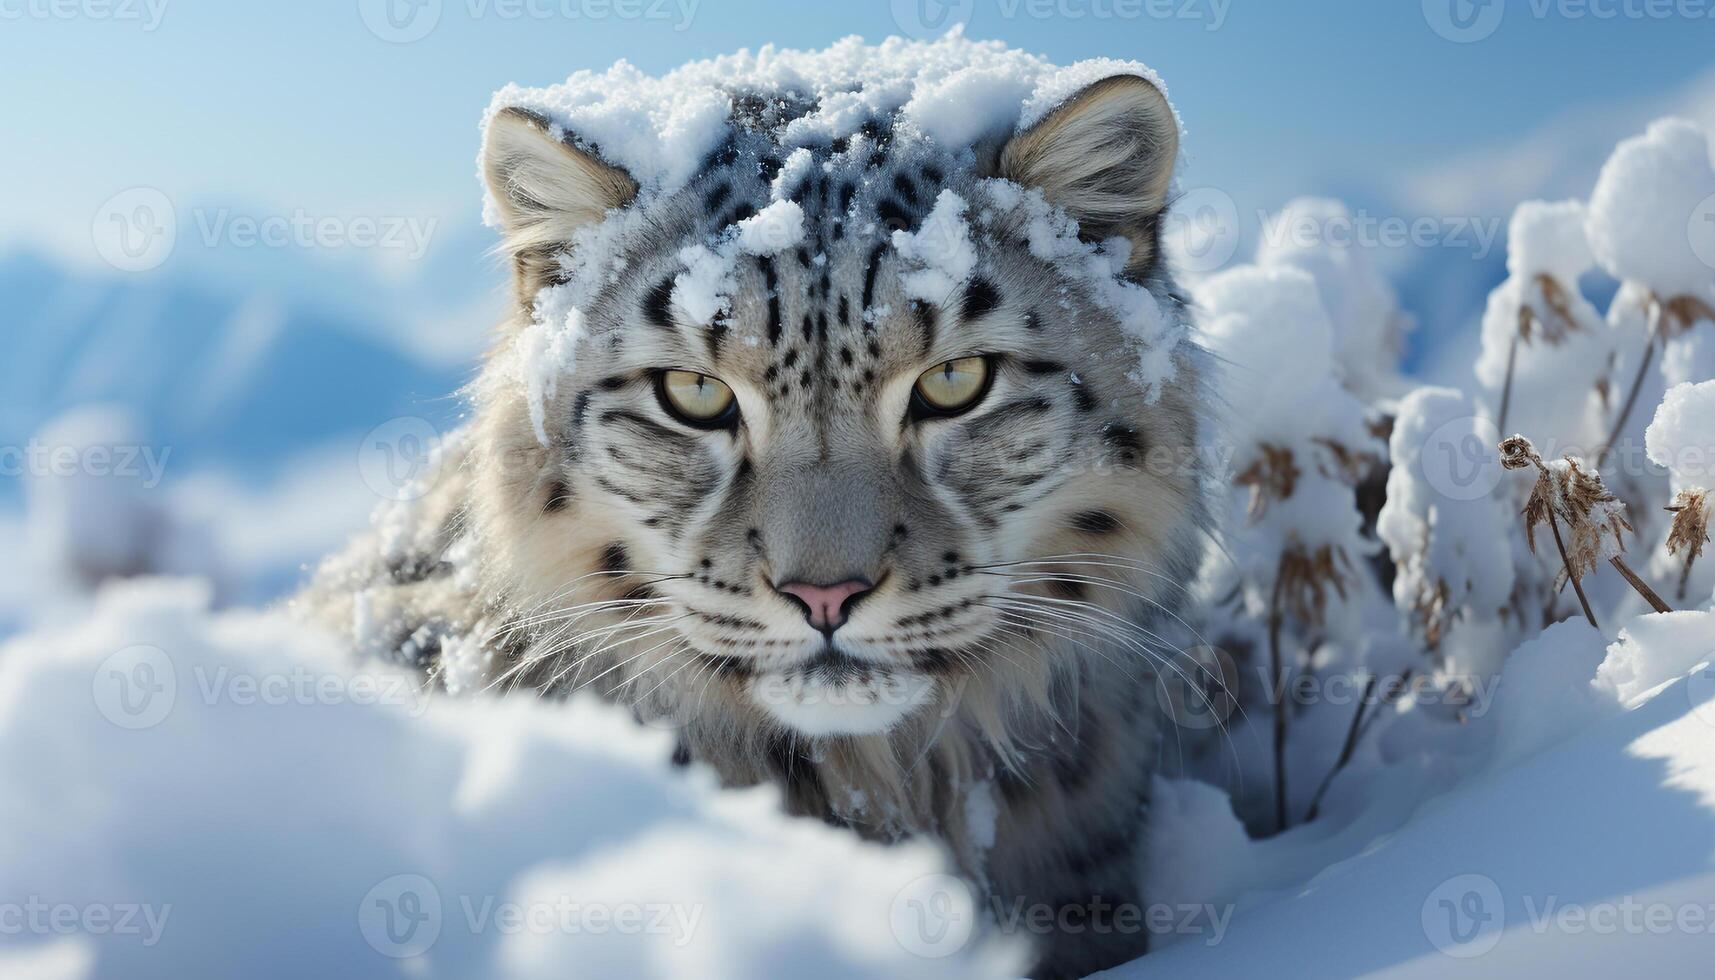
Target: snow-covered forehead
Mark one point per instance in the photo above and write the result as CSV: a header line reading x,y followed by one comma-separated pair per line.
x,y
953,91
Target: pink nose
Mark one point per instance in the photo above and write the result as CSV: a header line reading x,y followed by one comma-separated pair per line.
x,y
825,606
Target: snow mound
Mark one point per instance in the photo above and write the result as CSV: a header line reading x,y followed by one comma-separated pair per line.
x,y
953,90
248,802
1644,211
1682,436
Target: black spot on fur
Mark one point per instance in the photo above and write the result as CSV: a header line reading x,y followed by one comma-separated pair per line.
x,y
1032,321
580,408
906,189
716,197
615,559
559,495
1081,397
925,316
771,282
614,382
1125,440
872,266
1043,367
893,215
981,299
658,305
1095,522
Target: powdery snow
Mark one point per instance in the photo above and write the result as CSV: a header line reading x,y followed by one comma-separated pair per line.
x,y
274,809
1682,436
1644,212
954,90
942,248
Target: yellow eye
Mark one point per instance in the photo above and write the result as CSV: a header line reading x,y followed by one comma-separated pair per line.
x,y
954,386
697,399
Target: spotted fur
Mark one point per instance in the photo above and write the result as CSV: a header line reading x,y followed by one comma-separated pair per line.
x,y
1028,557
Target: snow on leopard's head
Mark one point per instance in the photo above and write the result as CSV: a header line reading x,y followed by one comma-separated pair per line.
x,y
823,364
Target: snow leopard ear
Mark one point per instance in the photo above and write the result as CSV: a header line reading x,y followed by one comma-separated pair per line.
x,y
545,188
1106,156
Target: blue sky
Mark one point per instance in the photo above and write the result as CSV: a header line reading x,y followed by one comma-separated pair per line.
x,y
285,106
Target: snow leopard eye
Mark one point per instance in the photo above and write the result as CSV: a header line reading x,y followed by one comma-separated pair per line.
x,y
951,388
696,399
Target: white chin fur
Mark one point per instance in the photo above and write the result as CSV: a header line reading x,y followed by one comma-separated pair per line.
x,y
815,707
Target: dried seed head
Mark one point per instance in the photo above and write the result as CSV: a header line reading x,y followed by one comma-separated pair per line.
x,y
1306,577
1554,327
1681,313
1690,531
1273,476
1517,453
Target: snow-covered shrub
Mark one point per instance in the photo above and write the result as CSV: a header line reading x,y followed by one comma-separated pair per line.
x,y
1450,538
1681,439
1368,327
1545,353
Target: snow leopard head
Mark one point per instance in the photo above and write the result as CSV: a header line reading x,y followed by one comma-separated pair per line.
x,y
839,429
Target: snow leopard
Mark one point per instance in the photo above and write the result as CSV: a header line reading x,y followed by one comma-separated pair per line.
x,y
914,550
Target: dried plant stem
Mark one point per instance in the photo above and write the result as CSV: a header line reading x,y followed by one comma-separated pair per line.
x,y
1571,575
1346,750
1637,385
1279,702
1507,385
1643,588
